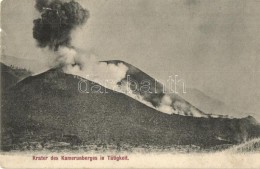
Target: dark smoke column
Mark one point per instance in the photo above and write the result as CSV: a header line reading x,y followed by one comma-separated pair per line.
x,y
58,19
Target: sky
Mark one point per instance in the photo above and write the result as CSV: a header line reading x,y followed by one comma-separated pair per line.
x,y
212,45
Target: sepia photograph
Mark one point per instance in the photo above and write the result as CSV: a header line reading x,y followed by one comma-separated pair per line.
x,y
130,84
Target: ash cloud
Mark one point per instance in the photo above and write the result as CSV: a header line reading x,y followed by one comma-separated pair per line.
x,y
58,19
53,31
88,67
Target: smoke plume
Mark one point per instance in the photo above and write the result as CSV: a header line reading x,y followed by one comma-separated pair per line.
x,y
53,31
165,105
58,19
88,67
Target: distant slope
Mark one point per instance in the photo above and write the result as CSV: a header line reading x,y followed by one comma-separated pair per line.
x,y
10,76
32,65
209,104
50,104
213,106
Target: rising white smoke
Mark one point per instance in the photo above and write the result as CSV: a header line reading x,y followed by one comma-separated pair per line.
x,y
166,105
88,67
126,89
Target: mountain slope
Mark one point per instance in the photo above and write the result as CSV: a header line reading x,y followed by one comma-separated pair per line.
x,y
24,62
192,103
50,104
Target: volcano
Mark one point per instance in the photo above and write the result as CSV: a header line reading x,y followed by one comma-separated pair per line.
x,y
49,108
